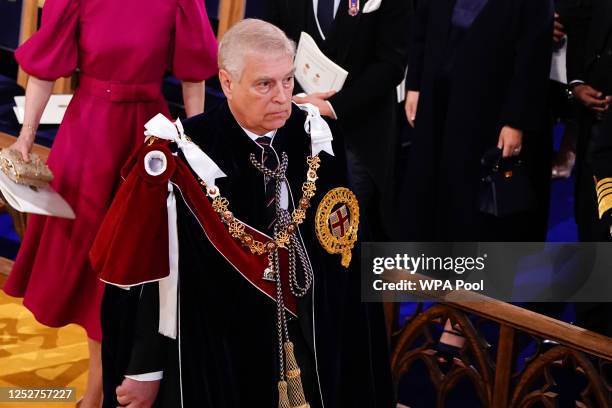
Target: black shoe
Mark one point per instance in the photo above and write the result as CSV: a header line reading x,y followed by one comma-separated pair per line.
x,y
446,355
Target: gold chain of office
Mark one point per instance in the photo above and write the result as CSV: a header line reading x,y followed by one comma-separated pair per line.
x,y
281,238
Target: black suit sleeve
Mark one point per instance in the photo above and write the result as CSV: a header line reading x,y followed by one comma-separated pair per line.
x,y
576,20
416,49
525,98
149,347
387,63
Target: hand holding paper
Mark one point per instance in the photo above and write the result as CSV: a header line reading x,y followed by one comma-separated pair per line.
x,y
318,99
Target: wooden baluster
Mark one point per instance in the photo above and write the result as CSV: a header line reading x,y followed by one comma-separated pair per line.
x,y
230,12
503,367
29,25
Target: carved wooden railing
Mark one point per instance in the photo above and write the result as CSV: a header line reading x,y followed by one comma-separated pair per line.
x,y
497,381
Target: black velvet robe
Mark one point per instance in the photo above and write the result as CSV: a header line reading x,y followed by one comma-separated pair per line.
x,y
225,355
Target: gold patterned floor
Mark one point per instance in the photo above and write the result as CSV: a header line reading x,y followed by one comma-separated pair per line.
x,y
32,355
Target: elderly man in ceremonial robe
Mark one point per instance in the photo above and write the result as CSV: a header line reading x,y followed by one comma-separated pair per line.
x,y
243,293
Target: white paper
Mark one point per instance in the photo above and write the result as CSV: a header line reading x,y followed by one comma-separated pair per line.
x,y
400,90
558,68
53,113
43,200
314,71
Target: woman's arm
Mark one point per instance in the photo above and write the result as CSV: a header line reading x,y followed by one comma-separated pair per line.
x,y
38,92
193,97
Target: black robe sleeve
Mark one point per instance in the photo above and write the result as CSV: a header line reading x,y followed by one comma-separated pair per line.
x,y
149,347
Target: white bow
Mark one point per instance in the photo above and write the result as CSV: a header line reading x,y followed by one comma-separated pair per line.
x,y
320,134
208,171
161,127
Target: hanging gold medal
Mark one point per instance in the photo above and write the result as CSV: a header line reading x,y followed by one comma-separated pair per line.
x,y
337,222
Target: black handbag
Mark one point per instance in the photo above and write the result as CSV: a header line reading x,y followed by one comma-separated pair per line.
x,y
506,188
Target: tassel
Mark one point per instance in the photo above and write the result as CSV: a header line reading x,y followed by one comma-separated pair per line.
x,y
294,380
283,399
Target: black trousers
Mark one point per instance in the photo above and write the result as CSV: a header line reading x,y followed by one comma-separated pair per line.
x,y
118,312
372,225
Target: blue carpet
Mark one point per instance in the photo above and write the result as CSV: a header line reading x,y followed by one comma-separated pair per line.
x,y
9,241
561,223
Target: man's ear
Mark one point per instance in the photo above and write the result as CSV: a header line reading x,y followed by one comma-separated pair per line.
x,y
226,83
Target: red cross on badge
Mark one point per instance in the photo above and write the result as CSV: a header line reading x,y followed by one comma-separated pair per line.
x,y
339,221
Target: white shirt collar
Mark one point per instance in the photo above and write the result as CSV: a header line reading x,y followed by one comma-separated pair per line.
x,y
255,136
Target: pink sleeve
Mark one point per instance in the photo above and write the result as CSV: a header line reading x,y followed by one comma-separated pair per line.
x,y
195,46
52,52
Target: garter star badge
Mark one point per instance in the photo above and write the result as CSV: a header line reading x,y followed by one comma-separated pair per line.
x,y
337,222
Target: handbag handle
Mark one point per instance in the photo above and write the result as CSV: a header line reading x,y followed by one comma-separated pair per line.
x,y
493,161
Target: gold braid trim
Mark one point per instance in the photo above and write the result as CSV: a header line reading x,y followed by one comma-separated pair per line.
x,y
604,195
603,185
281,239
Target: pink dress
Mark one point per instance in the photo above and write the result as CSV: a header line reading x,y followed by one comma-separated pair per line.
x,y
122,49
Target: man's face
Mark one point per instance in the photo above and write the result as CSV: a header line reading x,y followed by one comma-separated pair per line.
x,y
261,99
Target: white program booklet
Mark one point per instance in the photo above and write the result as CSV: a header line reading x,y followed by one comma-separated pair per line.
x,y
42,200
314,71
53,113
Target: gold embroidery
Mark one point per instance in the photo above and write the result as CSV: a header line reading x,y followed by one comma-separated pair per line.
x,y
342,204
604,195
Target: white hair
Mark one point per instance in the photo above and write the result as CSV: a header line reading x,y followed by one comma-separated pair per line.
x,y
251,36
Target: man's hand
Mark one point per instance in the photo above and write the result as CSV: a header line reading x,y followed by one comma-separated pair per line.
x,y
137,394
558,30
510,141
592,98
410,106
318,99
